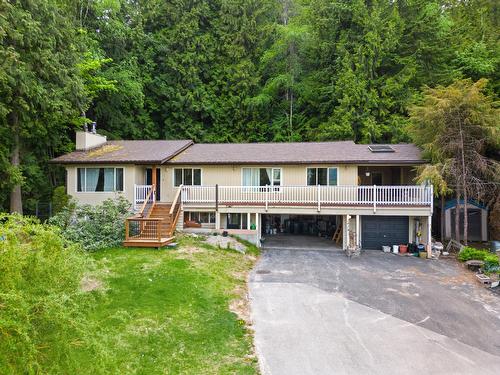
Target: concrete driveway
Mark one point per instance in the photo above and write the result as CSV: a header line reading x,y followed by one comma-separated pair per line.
x,y
318,312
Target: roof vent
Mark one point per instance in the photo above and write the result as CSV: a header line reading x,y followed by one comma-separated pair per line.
x,y
381,148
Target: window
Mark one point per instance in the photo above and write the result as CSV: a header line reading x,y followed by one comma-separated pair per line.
x,y
187,176
322,176
99,179
236,221
261,176
201,217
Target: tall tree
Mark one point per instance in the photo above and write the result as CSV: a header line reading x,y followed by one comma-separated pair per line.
x,y
40,88
281,69
454,125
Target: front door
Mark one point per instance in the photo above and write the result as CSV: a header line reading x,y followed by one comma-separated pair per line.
x,y
149,180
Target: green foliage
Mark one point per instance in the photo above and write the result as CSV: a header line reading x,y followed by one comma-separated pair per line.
x,y
491,260
167,310
471,253
94,227
226,70
60,200
43,322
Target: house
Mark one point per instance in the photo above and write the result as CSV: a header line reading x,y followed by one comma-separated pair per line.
x,y
363,194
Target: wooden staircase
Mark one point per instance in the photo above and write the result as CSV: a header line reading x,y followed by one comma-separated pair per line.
x,y
154,225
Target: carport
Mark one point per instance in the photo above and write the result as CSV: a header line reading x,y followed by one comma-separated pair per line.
x,y
300,232
299,242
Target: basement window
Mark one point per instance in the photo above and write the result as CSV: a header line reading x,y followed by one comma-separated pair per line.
x,y
200,217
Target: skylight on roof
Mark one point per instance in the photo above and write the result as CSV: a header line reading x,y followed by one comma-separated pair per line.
x,y
380,148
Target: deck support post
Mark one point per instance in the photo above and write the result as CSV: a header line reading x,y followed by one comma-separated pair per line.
x,y
257,227
217,220
248,221
153,181
358,229
429,236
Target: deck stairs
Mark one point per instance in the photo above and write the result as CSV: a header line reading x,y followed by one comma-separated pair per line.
x,y
154,225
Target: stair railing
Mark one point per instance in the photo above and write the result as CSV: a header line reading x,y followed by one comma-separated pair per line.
x,y
140,226
175,210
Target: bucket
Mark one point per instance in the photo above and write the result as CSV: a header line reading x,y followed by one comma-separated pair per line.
x,y
395,249
403,249
386,249
495,246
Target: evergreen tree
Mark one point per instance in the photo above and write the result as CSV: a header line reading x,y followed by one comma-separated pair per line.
x,y
41,92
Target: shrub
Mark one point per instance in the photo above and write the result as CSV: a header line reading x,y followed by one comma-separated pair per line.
x,y
42,324
60,200
491,263
94,227
469,253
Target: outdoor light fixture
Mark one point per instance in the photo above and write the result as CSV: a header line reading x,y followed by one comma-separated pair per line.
x,y
367,174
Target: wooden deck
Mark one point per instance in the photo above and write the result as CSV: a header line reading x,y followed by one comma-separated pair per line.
x,y
154,224
141,242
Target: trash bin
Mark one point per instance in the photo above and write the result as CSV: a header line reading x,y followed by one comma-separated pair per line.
x,y
495,246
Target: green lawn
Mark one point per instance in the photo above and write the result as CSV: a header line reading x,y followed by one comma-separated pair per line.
x,y
167,311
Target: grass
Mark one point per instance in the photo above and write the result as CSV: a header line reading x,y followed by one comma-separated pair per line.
x,y
167,311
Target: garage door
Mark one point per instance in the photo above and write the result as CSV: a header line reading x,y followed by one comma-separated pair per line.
x,y
383,230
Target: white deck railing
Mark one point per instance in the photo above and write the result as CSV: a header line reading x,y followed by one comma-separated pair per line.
x,y
140,194
308,195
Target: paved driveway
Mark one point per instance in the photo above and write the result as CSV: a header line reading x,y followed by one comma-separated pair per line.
x,y
318,312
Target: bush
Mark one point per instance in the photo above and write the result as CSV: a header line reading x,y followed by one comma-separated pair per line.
x,y
491,264
94,227
469,253
42,324
60,200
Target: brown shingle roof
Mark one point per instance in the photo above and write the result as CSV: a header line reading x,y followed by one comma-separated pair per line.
x,y
132,152
343,152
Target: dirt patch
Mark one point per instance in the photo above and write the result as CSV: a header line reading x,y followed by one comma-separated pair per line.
x,y
241,305
89,283
239,275
189,250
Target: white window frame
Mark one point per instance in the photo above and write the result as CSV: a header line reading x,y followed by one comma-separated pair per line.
x,y
272,175
84,184
182,168
327,174
197,213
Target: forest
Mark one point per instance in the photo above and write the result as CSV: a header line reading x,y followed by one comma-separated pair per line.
x,y
225,71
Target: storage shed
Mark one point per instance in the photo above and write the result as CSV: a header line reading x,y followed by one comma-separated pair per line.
x,y
478,219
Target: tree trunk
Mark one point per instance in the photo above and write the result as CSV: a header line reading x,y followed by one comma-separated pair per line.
x,y
457,218
291,117
464,183
466,218
16,200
